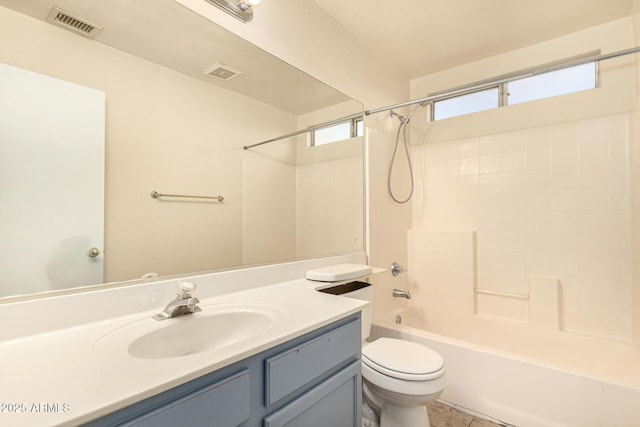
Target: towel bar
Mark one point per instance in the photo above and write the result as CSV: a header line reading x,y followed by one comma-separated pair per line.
x,y
157,195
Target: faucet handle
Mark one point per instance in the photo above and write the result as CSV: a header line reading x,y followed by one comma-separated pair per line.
x,y
186,289
397,269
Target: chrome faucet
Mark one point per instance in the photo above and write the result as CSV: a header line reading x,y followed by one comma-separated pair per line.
x,y
184,303
397,293
397,269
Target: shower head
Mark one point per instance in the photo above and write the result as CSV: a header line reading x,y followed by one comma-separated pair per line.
x,y
399,116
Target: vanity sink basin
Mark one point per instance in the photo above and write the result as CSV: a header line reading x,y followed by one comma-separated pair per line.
x,y
216,327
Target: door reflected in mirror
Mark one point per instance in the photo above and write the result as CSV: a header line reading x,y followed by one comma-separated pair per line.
x,y
51,182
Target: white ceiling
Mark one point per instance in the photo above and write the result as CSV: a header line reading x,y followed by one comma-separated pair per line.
x,y
420,37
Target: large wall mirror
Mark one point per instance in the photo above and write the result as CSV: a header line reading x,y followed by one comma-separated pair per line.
x,y
168,126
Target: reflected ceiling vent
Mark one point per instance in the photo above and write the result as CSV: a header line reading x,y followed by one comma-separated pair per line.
x,y
221,72
73,23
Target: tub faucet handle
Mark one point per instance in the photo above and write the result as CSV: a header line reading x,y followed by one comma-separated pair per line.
x,y
397,269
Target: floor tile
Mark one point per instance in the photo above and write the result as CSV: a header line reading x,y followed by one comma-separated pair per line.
x,y
445,416
479,422
441,415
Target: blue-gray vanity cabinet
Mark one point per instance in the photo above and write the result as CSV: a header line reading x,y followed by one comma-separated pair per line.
x,y
291,369
311,380
227,402
333,402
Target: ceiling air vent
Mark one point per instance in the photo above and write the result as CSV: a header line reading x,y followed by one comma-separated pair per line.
x,y
73,23
221,72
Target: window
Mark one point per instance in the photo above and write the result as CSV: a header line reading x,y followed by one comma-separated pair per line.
x,y
332,133
546,85
466,104
337,132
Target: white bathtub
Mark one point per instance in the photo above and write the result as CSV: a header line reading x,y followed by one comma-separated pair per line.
x,y
573,381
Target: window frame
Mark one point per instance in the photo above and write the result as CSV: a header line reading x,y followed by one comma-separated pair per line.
x,y
353,131
503,93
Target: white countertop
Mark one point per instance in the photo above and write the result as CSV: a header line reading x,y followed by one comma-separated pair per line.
x,y
61,374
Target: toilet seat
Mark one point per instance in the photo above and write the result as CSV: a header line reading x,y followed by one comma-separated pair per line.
x,y
403,360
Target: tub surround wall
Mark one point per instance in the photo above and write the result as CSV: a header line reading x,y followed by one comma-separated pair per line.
x,y
528,324
563,217
445,268
548,196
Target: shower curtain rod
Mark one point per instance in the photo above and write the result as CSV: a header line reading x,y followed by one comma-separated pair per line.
x,y
309,129
572,62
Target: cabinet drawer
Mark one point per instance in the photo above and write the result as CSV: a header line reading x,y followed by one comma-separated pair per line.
x,y
292,369
336,402
223,404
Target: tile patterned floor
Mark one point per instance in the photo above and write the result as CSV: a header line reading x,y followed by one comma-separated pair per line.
x,y
441,415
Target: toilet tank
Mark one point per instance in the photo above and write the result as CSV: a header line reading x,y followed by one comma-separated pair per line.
x,y
358,290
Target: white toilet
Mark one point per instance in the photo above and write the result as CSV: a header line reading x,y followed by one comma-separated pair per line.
x,y
399,377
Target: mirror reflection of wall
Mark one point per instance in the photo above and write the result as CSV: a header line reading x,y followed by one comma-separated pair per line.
x,y
184,134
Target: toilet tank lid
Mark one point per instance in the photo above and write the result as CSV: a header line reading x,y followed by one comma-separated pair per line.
x,y
338,272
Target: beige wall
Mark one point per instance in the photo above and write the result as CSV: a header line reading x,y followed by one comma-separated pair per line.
x,y
635,187
545,185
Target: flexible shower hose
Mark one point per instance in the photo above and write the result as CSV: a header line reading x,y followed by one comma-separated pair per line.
x,y
402,128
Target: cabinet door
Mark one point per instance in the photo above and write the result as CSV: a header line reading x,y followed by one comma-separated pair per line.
x,y
223,404
289,371
336,402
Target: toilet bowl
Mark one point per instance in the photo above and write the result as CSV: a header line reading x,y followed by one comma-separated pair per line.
x,y
399,377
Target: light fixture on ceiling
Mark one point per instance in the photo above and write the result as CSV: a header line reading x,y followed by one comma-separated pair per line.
x,y
240,9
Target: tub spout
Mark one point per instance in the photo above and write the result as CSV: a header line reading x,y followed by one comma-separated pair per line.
x,y
397,293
